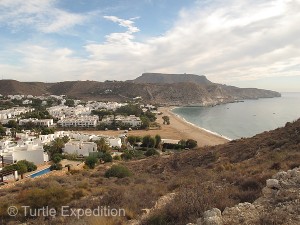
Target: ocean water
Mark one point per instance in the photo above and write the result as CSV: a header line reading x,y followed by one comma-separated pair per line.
x,y
244,119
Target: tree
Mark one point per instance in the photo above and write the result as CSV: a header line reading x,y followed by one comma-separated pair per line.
x,y
130,109
166,120
145,122
70,103
102,146
101,113
157,140
91,161
2,130
29,125
47,130
190,143
65,139
30,165
148,141
131,140
21,166
12,124
151,116
55,147
57,158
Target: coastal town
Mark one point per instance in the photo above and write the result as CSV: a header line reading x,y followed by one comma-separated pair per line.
x,y
55,132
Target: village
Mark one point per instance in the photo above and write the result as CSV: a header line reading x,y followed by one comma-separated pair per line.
x,y
40,134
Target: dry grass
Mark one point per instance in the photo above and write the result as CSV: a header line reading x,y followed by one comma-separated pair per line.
x,y
209,177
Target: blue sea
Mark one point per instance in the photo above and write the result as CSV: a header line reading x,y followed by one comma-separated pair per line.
x,y
244,119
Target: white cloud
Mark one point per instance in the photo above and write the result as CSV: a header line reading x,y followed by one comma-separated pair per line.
x,y
227,40
41,15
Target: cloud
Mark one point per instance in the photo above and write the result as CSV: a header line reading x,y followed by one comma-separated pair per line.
x,y
40,15
228,40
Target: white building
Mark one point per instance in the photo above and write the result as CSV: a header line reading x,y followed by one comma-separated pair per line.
x,y
13,112
80,148
27,102
41,122
132,120
114,142
79,121
27,151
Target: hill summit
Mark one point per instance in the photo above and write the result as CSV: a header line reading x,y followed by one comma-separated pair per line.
x,y
171,78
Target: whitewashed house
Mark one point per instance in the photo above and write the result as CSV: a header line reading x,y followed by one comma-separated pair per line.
x,y
27,151
132,120
80,148
114,142
41,122
79,121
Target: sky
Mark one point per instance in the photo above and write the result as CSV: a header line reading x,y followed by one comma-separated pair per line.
x,y
246,43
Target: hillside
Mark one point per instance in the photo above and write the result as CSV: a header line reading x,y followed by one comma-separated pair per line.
x,y
161,78
178,188
183,90
8,87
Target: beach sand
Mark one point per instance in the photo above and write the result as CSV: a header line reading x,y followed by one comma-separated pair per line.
x,y
178,129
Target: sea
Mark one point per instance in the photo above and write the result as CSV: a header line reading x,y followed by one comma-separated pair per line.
x,y
244,119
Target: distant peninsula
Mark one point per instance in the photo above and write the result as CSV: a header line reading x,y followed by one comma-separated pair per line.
x,y
154,88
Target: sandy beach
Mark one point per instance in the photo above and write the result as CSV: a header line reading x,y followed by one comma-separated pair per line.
x,y
178,129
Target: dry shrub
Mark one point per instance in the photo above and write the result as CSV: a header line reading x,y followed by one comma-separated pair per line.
x,y
190,202
53,196
272,218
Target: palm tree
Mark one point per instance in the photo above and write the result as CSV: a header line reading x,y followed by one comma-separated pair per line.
x,y
102,146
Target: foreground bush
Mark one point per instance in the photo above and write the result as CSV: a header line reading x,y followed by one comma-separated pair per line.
x,y
91,161
56,166
106,157
118,171
151,152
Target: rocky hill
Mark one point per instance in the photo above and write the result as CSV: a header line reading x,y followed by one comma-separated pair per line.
x,y
160,78
183,89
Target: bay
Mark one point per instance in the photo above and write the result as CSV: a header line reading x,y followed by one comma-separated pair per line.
x,y
244,119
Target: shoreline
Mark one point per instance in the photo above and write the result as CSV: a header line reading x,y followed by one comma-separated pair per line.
x,y
196,126
178,129
189,130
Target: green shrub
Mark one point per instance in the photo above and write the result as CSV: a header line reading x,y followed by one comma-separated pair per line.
x,y
57,158
117,157
118,171
190,143
156,219
127,155
91,161
30,165
106,157
151,152
56,166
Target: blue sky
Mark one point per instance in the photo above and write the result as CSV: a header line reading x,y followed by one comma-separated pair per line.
x,y
237,42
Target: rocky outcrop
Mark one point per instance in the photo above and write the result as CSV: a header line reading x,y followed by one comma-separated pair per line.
x,y
280,204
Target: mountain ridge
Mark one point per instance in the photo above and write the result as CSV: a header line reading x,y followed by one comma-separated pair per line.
x,y
179,92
